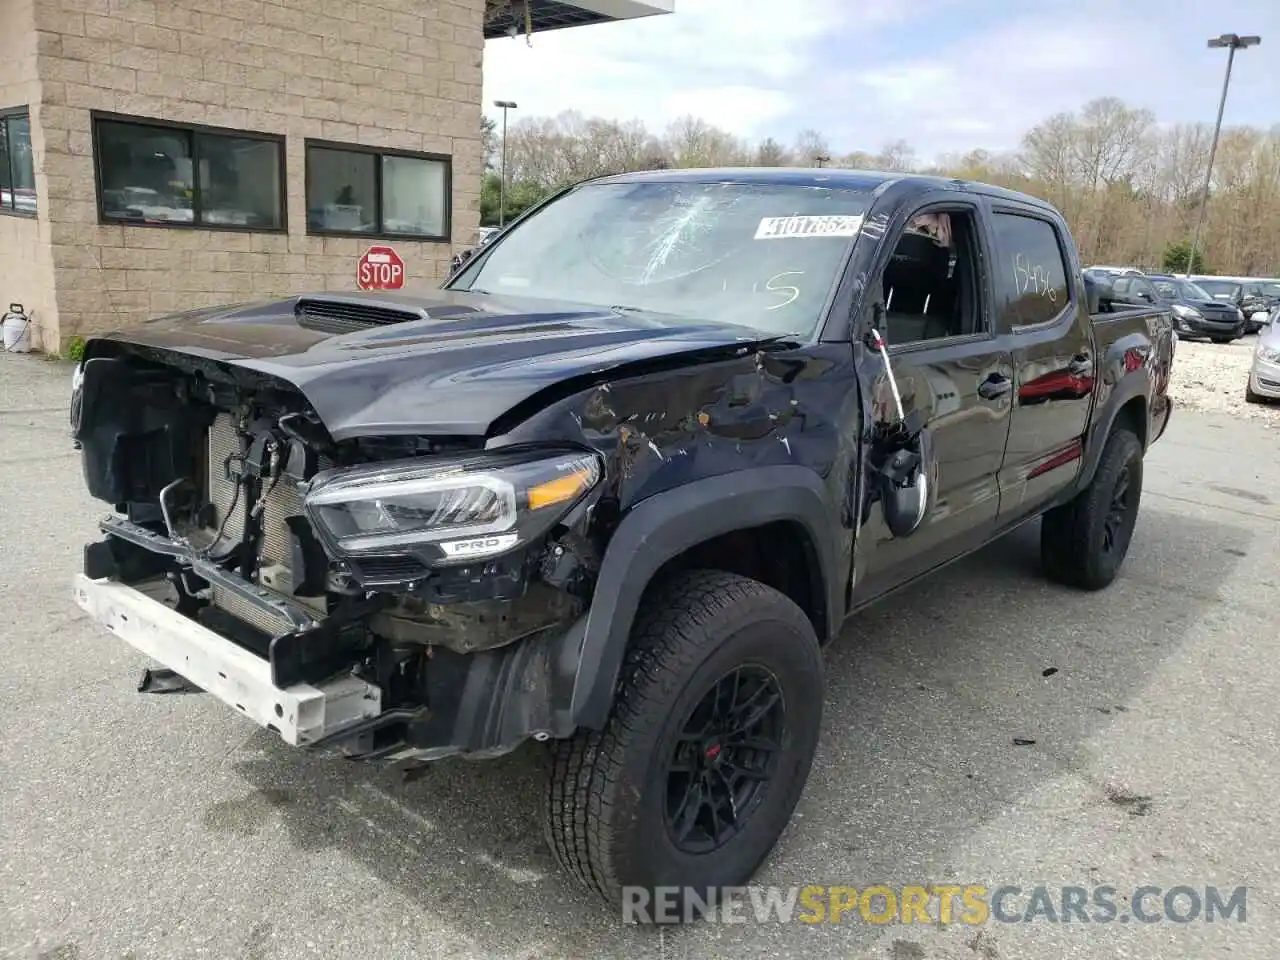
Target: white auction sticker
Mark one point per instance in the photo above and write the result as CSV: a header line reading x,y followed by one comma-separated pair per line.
x,y
773,228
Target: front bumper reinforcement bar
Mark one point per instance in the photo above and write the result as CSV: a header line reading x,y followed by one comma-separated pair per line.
x,y
301,714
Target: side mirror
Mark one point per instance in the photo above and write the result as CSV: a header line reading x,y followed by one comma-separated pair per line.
x,y
903,479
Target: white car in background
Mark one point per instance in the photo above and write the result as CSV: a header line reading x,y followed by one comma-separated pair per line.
x,y
1264,372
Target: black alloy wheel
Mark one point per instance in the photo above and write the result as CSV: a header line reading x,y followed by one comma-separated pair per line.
x,y
1084,542
724,758
707,748
1117,513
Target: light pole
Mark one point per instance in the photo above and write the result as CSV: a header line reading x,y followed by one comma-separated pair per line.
x,y
1232,42
502,188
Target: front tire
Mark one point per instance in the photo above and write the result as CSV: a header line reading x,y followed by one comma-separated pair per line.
x,y
1250,396
705,753
1084,542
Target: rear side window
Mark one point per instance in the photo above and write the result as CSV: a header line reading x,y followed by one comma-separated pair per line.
x,y
1031,275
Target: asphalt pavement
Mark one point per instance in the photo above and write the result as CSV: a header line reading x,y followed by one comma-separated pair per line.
x,y
165,826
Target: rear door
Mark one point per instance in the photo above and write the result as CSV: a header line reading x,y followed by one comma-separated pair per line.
x,y
934,307
1040,307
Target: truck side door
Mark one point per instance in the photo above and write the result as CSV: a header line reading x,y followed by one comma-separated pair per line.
x,y
932,302
1040,308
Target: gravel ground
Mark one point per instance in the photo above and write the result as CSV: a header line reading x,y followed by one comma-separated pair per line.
x,y
1211,377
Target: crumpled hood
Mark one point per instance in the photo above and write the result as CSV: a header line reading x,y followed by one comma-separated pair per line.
x,y
459,364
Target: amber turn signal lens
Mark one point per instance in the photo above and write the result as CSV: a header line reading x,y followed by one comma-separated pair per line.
x,y
559,490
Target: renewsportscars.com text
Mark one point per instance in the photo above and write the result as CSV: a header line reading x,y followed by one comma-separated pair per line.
x,y
937,903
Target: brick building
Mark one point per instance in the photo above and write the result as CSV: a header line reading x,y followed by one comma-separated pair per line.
x,y
163,154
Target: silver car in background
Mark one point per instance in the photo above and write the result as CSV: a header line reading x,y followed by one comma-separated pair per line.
x,y
1264,372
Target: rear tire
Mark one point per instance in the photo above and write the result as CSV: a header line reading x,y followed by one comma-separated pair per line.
x,y
639,803
1084,542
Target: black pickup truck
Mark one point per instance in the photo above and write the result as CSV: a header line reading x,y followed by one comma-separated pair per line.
x,y
615,485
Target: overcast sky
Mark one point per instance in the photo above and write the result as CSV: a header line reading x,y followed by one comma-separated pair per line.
x,y
943,74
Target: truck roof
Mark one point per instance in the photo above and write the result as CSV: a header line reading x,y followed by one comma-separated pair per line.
x,y
864,181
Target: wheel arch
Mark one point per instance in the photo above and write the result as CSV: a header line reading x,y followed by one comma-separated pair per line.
x,y
723,522
1127,406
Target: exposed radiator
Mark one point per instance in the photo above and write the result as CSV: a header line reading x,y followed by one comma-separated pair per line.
x,y
282,502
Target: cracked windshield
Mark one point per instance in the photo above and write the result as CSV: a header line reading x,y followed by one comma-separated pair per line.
x,y
762,256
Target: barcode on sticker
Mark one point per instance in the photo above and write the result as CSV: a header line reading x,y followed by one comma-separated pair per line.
x,y
772,228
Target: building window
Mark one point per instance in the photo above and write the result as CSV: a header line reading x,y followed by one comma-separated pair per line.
x,y
17,169
180,175
360,191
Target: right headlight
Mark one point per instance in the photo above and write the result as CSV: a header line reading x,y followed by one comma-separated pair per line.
x,y
453,511
1270,354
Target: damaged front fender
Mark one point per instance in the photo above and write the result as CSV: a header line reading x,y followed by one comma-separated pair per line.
x,y
697,453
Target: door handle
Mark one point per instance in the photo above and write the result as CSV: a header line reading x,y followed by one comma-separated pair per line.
x,y
995,386
1081,365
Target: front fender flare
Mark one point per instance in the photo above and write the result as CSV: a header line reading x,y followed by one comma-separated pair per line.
x,y
664,526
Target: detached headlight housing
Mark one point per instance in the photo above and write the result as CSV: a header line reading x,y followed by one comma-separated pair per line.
x,y
1184,312
450,512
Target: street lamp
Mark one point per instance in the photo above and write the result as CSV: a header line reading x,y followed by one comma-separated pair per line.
x,y
505,105
1232,42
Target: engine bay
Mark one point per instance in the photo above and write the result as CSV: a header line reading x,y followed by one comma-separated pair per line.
x,y
209,468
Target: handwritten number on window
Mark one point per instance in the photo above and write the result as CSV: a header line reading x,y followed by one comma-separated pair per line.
x,y
1032,278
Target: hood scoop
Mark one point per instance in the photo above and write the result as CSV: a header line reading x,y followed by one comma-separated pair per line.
x,y
339,315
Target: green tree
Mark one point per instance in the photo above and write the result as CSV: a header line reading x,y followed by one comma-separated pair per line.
x,y
1176,255
489,141
521,195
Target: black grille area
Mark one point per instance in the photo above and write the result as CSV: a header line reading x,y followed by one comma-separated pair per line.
x,y
344,316
372,571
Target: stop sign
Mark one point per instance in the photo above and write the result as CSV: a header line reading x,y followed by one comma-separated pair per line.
x,y
380,268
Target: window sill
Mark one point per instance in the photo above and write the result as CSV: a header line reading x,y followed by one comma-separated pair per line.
x,y
22,214
360,235
178,225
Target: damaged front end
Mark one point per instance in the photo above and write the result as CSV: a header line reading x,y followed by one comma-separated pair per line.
x,y
397,598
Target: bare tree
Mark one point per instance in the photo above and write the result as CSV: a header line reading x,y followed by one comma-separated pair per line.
x,y
770,153
811,147
1128,188
897,156
692,142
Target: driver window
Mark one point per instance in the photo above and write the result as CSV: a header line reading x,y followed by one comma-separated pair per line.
x,y
930,285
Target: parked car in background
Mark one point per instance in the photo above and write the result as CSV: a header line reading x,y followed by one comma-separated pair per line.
x,y
1264,372
1195,312
1247,295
